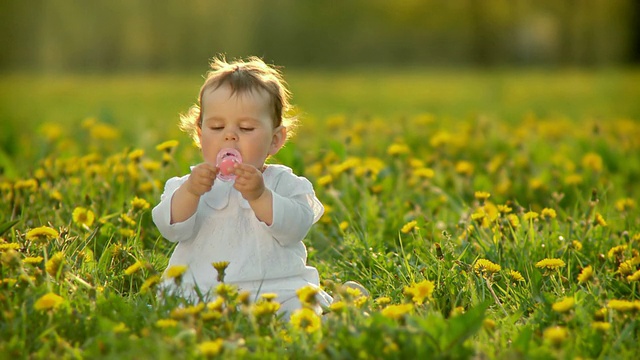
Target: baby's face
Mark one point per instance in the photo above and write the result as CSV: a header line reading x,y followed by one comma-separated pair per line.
x,y
242,121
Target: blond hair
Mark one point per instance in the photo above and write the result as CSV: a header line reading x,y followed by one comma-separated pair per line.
x,y
243,76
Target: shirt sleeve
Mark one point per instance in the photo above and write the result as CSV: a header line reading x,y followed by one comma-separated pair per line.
x,y
295,209
161,214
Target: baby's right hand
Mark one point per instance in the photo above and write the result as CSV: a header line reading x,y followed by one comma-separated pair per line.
x,y
201,179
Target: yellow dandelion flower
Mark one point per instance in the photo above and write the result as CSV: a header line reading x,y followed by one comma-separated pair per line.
x,y
504,209
128,233
307,294
128,220
481,195
573,179
592,161
599,220
514,221
530,216
548,213
555,334
536,184
383,300
32,260
140,204
29,184
397,312
398,149
9,246
211,315
150,283
83,217
134,268
576,245
176,271
486,267
265,308
585,275
360,301
420,292
166,323
167,158
515,276
55,195
269,296
634,277
489,324
306,320
136,155
424,173
55,264
456,311
478,215
216,305
625,268
338,306
623,305
416,163
440,138
120,328
244,297
167,145
101,131
194,309
48,301
151,165
626,204
211,348
411,225
226,290
550,264
41,234
343,225
600,314
221,267
464,168
563,305
616,251
325,180
178,313
601,326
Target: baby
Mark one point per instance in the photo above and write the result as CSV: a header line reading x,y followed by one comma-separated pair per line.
x,y
250,214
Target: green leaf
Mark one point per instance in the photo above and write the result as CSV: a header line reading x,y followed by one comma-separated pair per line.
x,y
8,225
463,327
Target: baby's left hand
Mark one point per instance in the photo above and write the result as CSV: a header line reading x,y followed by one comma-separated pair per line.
x,y
248,181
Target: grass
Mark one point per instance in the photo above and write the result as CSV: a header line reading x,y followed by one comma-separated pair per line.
x,y
490,215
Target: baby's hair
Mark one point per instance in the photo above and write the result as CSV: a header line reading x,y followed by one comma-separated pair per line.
x,y
243,76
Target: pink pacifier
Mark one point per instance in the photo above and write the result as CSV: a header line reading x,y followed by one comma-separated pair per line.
x,y
225,161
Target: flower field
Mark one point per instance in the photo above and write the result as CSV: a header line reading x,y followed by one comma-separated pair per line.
x,y
497,224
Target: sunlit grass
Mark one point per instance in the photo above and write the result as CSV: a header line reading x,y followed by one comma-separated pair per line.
x,y
500,232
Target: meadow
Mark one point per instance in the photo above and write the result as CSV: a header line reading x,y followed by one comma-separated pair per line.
x,y
490,214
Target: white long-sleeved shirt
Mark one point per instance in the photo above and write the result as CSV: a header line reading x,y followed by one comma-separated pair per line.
x,y
261,258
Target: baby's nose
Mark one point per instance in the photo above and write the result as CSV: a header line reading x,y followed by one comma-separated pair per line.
x,y
231,135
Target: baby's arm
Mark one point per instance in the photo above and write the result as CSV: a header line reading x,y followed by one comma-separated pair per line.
x,y
250,184
184,202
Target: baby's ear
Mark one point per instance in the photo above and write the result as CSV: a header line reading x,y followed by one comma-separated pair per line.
x,y
278,140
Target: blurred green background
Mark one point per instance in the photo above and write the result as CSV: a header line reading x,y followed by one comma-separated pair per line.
x,y
148,35
136,64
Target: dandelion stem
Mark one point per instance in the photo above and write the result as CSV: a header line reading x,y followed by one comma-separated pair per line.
x,y
81,281
495,297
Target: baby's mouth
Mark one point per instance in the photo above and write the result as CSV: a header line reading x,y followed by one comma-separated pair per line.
x,y
225,161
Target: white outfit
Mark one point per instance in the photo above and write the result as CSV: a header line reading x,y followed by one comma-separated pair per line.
x,y
262,258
